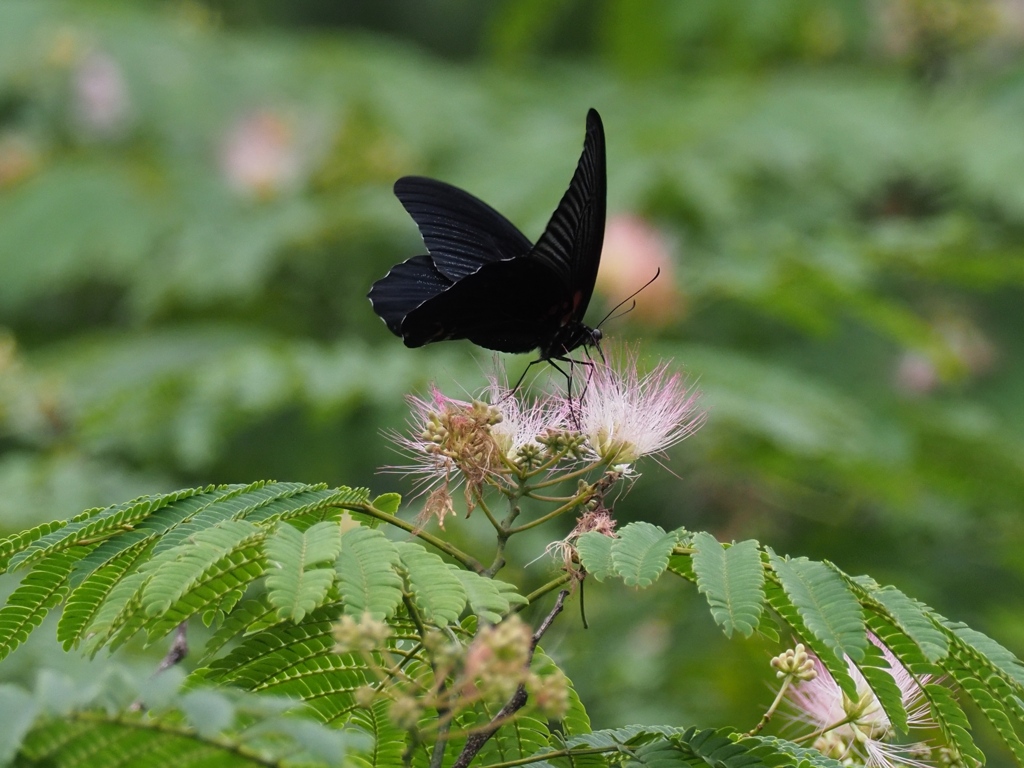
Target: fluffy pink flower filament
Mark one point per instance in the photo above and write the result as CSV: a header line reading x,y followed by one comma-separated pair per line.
x,y
846,728
524,422
626,415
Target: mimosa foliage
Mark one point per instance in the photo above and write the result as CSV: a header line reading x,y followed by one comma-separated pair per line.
x,y
272,566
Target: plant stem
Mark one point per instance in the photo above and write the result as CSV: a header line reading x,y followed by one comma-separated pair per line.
x,y
575,501
482,503
454,552
824,730
550,755
571,476
541,591
551,499
771,710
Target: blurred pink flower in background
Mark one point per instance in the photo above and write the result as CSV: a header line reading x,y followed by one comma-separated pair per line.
x,y
916,374
259,156
634,251
100,100
968,350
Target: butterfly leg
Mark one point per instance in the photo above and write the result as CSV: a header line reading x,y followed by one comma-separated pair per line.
x,y
521,378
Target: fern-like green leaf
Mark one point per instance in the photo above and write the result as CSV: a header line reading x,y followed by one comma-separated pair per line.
x,y
184,565
490,599
231,503
121,604
985,670
214,729
248,618
664,754
836,666
732,579
786,754
295,587
436,591
368,579
97,524
295,660
952,721
85,600
388,740
1008,665
306,504
153,528
912,617
595,550
521,737
19,542
213,594
42,589
825,603
663,746
388,502
641,552
994,707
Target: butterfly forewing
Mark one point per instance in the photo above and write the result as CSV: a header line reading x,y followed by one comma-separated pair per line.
x,y
461,232
571,244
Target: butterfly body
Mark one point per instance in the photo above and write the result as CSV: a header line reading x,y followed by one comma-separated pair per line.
x,y
483,280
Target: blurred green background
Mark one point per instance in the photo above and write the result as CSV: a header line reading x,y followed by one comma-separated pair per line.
x,y
196,196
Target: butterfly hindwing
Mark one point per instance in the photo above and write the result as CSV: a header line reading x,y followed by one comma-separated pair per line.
x,y
407,286
505,306
461,232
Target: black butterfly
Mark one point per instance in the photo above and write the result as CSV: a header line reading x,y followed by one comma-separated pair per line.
x,y
484,281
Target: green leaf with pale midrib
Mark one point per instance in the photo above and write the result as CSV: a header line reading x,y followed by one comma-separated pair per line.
x,y
368,580
640,553
732,579
436,591
826,604
490,599
294,586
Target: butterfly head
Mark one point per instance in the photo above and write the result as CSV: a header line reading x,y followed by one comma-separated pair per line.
x,y
571,337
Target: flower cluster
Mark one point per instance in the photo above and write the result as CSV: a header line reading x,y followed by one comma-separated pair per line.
x,y
489,668
506,438
856,731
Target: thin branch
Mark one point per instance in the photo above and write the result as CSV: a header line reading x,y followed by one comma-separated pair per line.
x,y
482,503
570,476
771,710
574,502
476,740
454,552
558,753
541,591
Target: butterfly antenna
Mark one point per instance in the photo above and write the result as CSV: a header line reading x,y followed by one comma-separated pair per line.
x,y
631,296
632,306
